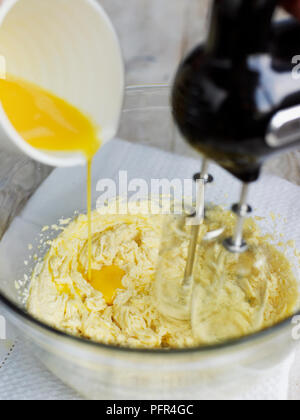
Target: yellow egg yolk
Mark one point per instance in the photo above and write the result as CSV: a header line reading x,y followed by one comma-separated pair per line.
x,y
107,281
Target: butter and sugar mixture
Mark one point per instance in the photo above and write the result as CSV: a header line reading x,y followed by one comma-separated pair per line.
x,y
233,295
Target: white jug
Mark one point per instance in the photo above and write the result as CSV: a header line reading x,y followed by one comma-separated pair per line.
x,y
70,48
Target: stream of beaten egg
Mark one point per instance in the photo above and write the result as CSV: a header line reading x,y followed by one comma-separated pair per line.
x,y
98,279
49,123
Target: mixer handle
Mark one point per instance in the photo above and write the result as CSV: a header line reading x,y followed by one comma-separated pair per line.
x,y
240,27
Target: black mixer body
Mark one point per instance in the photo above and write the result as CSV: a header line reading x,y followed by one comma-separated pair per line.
x,y
236,99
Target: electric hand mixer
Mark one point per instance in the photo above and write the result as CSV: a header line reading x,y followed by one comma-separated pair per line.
x,y
236,100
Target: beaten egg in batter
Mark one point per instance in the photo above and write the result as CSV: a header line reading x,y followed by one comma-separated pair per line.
x,y
233,296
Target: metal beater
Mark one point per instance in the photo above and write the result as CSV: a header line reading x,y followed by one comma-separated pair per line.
x,y
236,99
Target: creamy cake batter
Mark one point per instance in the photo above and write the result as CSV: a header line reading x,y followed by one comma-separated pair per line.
x,y
233,295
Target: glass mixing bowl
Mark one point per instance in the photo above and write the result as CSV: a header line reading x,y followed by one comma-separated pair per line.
x,y
99,371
